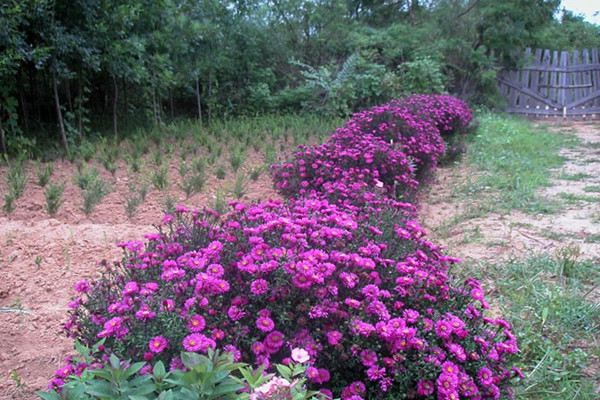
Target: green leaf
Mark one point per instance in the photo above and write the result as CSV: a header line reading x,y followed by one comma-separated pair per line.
x,y
159,370
134,369
101,389
284,371
48,395
114,361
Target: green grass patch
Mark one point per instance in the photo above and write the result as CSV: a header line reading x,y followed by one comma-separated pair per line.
x,y
579,176
513,159
592,189
549,302
573,198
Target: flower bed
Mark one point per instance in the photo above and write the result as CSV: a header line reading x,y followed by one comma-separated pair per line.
x,y
341,270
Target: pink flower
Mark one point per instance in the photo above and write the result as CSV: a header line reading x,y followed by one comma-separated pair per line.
x,y
300,355
196,323
265,324
198,342
157,344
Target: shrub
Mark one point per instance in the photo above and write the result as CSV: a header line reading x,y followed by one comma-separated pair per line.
x,y
388,146
341,269
366,288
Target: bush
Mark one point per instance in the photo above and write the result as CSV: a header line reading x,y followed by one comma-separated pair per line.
x,y
341,269
365,288
389,146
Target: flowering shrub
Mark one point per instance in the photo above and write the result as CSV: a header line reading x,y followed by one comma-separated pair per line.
x,y
342,270
389,146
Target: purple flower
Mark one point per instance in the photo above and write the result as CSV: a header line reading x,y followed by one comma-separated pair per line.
x,y
157,344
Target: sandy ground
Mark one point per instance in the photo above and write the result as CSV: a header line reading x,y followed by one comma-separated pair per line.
x,y
516,234
41,258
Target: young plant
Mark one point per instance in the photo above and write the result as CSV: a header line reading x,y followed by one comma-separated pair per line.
x,y
43,173
160,178
9,203
17,179
255,173
53,195
239,186
236,158
93,189
220,172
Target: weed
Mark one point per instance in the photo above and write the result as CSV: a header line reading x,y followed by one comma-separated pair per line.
x,y
38,261
16,378
53,195
43,174
555,324
593,238
572,198
579,176
566,260
592,189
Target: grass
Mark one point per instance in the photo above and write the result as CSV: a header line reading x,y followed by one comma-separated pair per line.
x,y
513,159
579,176
592,189
548,301
572,198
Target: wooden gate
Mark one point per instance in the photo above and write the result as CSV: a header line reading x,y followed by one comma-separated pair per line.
x,y
554,83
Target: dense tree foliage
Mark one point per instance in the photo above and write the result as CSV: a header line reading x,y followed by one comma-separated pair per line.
x,y
69,66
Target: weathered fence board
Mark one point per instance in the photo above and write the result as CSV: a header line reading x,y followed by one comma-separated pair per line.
x,y
554,83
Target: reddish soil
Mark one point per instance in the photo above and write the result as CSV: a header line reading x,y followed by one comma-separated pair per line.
x,y
34,295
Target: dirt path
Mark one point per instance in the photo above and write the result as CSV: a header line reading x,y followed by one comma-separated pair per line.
x,y
576,186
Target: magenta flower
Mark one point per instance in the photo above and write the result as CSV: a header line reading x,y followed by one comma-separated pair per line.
x,y
196,323
198,342
265,324
157,344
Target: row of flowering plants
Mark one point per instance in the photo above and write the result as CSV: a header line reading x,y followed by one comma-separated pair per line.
x,y
341,270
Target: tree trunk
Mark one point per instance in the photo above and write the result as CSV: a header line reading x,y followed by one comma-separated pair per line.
x,y
68,92
210,97
2,137
23,102
198,100
61,124
172,109
115,101
154,110
79,107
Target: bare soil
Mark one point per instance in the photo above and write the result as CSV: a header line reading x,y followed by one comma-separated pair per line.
x,y
495,236
41,258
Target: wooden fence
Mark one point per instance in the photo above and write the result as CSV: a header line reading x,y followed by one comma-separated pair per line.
x,y
553,83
